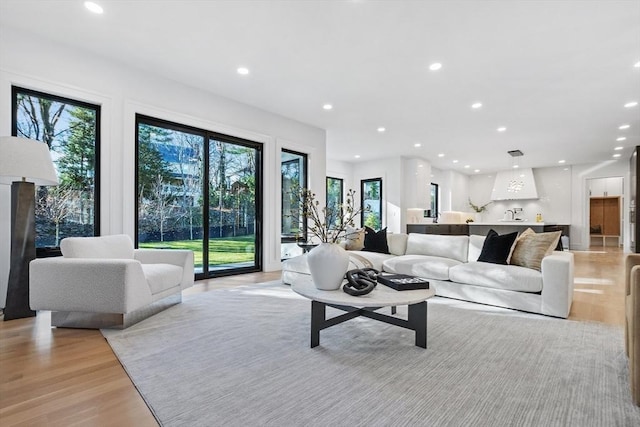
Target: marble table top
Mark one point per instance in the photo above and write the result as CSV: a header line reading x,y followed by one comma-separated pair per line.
x,y
381,296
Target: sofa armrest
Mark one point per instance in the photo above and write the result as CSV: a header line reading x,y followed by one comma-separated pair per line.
x,y
632,330
630,261
87,284
181,258
557,284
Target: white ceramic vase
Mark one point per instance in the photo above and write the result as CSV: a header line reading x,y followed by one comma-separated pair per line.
x,y
328,262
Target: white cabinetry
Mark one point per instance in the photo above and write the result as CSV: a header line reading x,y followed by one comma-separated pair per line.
x,y
605,187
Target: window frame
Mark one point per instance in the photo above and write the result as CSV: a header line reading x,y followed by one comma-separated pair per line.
x,y
341,199
363,182
15,90
304,179
434,204
209,135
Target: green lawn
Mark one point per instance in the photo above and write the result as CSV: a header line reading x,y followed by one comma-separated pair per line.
x,y
227,250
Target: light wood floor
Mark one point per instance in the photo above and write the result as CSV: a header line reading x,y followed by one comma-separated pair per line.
x,y
66,377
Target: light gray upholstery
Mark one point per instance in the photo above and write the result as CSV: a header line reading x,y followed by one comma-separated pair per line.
x,y
107,275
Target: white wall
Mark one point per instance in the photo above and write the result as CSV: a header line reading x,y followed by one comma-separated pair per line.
x,y
454,190
39,64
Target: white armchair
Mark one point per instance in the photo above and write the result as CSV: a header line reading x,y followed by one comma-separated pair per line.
x,y
103,282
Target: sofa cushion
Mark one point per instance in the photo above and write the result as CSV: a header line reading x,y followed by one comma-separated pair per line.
x,y
354,239
507,277
375,258
397,243
429,267
475,247
375,241
497,248
161,277
104,247
454,247
531,247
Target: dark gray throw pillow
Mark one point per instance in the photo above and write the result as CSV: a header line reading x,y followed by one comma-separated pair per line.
x,y
496,248
375,241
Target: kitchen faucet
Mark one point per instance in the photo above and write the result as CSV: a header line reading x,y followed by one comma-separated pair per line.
x,y
509,217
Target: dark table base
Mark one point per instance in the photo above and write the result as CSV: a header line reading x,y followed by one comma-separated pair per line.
x,y
417,319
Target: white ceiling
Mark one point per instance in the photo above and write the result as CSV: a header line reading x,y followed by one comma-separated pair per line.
x,y
555,73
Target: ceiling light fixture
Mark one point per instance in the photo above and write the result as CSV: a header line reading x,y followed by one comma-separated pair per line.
x,y
381,129
476,105
561,161
617,155
441,155
631,104
501,129
467,166
477,170
435,66
327,106
623,127
455,161
243,71
621,138
357,156
417,144
637,64
618,148
93,7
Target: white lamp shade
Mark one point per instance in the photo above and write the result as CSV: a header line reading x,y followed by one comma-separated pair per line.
x,y
26,158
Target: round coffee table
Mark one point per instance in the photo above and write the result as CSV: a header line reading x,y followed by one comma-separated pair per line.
x,y
366,306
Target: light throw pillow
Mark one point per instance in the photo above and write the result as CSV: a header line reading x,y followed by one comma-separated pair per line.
x,y
354,239
497,248
531,247
375,241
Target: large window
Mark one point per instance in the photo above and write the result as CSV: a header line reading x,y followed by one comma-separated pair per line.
x,y
71,130
199,190
435,201
335,195
371,202
293,169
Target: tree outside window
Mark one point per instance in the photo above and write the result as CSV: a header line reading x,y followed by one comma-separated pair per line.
x,y
70,129
371,202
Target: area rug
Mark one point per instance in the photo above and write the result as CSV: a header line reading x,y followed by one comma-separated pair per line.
x,y
241,357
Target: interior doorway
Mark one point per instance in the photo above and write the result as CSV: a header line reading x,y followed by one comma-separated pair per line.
x,y
606,219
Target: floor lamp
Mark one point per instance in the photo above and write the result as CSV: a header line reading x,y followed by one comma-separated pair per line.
x,y
24,163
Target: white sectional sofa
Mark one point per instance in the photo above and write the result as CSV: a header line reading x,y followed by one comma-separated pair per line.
x,y
450,263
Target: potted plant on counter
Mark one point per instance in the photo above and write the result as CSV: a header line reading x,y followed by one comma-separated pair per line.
x,y
478,209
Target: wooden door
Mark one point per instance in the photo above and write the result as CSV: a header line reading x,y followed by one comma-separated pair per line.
x,y
611,214
596,215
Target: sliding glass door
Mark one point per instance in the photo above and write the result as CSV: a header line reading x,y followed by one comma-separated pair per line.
x,y
199,190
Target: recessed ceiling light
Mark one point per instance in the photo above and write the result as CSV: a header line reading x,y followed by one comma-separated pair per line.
x,y
637,64
477,170
420,165
617,155
357,156
327,106
455,161
565,169
516,166
417,144
441,155
476,105
243,71
621,138
623,127
381,129
501,129
618,148
561,161
467,166
630,104
435,66
93,7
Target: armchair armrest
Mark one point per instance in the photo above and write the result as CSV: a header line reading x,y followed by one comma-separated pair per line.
x,y
87,284
179,257
631,261
557,283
